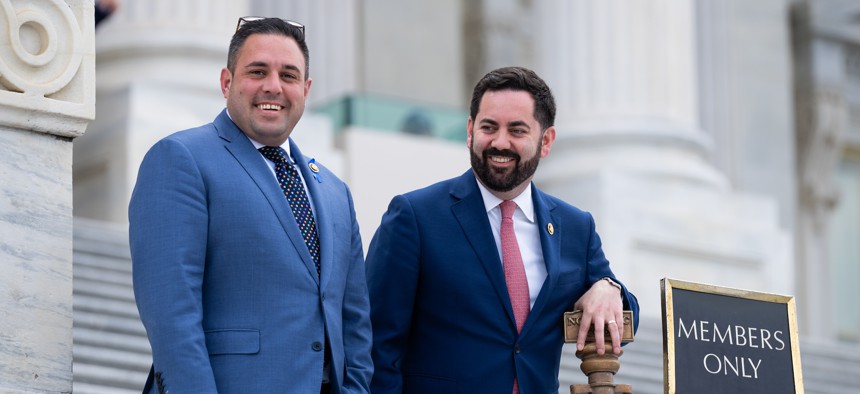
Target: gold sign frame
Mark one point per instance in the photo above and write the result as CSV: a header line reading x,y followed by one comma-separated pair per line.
x,y
666,287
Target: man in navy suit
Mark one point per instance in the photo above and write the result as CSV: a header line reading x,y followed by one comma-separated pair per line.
x,y
248,266
469,278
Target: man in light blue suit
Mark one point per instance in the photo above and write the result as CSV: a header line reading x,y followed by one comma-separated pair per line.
x,y
249,275
469,278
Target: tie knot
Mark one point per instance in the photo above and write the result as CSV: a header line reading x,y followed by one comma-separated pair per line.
x,y
274,153
508,207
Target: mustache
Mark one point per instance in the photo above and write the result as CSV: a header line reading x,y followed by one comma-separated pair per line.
x,y
500,152
273,98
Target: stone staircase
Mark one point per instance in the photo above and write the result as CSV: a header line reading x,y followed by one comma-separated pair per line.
x,y
112,355
111,352
830,367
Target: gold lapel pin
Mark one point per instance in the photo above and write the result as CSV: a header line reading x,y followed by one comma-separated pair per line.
x,y
550,229
313,167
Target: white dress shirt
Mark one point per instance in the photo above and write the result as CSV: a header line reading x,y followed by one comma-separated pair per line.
x,y
528,235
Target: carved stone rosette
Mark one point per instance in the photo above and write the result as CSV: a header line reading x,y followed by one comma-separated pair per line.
x,y
47,76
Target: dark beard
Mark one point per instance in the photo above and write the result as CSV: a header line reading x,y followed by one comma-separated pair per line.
x,y
496,179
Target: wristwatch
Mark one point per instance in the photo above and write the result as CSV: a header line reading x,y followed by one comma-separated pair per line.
x,y
613,283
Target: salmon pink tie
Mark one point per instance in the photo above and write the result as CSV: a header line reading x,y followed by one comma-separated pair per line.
x,y
515,272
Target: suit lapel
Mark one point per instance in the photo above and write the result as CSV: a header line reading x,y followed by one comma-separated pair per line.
x,y
551,246
250,159
470,212
322,215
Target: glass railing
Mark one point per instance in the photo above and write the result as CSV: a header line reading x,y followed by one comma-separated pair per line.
x,y
396,115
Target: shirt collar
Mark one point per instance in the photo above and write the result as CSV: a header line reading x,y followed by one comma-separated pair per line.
x,y
257,145
523,200
285,145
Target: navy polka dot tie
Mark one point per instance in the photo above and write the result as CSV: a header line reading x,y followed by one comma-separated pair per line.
x,y
294,190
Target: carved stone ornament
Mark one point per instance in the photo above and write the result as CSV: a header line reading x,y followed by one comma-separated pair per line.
x,y
819,147
47,60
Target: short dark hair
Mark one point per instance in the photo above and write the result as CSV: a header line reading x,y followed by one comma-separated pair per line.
x,y
517,78
267,26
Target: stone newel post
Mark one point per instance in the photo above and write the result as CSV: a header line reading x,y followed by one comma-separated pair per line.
x,y
47,98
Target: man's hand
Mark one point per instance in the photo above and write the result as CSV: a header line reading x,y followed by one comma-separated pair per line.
x,y
601,305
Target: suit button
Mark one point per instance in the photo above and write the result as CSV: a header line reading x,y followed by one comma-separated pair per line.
x,y
517,349
316,346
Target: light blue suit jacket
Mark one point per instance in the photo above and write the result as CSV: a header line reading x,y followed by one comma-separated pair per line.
x,y
442,317
224,282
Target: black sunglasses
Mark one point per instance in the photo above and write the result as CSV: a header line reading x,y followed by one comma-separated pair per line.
x,y
245,19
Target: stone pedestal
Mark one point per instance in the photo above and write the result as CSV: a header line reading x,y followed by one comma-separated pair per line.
x,y
47,98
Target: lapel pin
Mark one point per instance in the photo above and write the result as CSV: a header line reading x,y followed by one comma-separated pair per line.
x,y
550,229
312,164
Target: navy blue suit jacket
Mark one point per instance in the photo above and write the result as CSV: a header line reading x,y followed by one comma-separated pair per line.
x,y
441,314
224,282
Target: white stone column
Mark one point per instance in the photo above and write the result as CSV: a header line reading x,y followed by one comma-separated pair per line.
x,y
624,74
332,36
46,99
631,150
745,95
159,64
332,32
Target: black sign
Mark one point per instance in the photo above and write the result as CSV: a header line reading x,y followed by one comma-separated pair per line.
x,y
722,340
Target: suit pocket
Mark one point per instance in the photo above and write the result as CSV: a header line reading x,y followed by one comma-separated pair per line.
x,y
418,384
233,341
